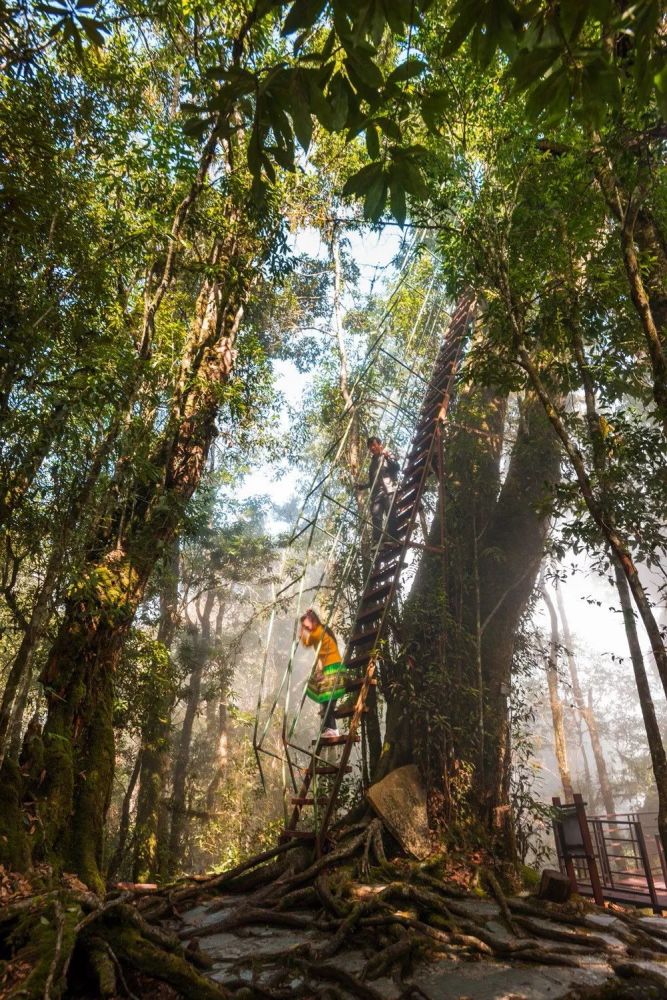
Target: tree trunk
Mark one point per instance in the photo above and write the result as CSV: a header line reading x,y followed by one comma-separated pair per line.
x,y
124,826
198,651
560,743
639,232
654,736
79,743
20,674
433,714
221,757
586,712
78,735
149,846
511,550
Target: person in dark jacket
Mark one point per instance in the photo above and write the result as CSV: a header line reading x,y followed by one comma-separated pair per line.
x,y
382,481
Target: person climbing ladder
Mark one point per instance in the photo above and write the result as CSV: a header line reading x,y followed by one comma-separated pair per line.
x,y
327,680
382,481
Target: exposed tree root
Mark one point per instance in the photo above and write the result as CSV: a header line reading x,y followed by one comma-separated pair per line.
x,y
63,943
499,895
335,974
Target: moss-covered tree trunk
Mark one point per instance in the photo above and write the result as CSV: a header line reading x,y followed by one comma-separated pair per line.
x,y
78,736
72,790
463,613
151,822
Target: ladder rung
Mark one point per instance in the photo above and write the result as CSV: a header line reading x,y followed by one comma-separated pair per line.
x,y
377,590
336,741
390,547
358,661
419,458
425,434
347,713
412,476
307,802
354,683
407,505
383,567
332,769
403,494
364,636
374,612
389,569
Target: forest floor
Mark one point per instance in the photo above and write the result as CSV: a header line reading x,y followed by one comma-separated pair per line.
x,y
351,925
265,957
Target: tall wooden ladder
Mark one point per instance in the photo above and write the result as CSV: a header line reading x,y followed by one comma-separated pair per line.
x,y
363,648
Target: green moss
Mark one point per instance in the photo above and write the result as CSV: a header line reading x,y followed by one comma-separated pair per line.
x,y
530,878
56,812
95,764
111,589
168,967
102,968
33,941
14,849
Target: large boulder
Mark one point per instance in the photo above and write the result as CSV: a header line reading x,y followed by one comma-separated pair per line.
x,y
400,802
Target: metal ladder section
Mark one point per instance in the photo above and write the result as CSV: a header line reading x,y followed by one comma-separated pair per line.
x,y
363,648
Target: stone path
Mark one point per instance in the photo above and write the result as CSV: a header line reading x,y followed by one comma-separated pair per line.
x,y
242,956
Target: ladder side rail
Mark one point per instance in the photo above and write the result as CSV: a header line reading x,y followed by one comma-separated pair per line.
x,y
450,351
441,386
345,756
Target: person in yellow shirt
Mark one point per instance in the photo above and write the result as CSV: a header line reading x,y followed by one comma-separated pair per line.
x,y
326,683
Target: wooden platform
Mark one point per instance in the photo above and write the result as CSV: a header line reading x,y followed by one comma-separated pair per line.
x,y
632,891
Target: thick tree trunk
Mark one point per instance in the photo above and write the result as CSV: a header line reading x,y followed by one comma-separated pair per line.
x,y
149,847
460,623
79,744
78,736
560,743
437,624
586,713
511,553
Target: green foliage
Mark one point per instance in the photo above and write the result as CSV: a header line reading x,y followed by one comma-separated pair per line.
x,y
579,54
